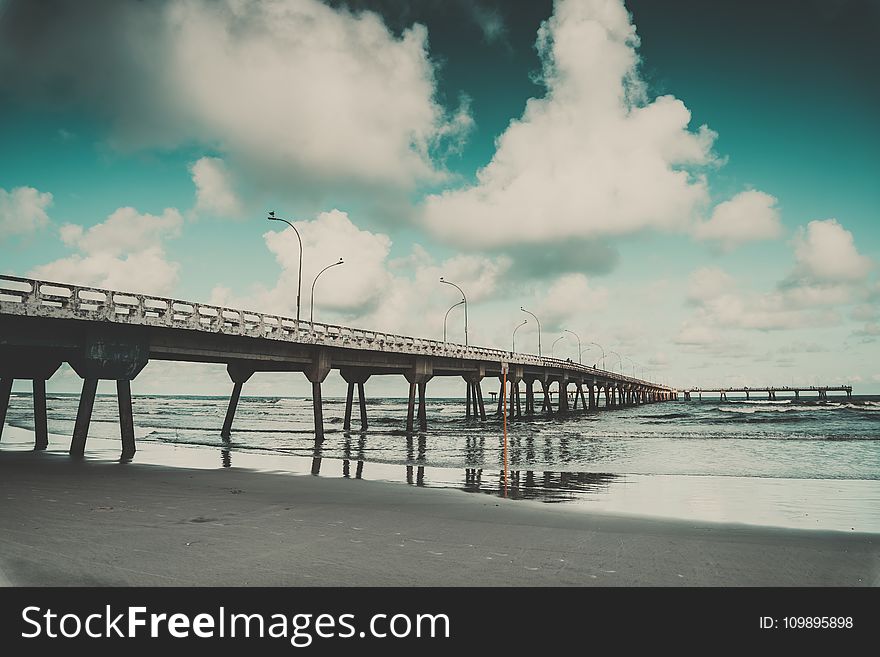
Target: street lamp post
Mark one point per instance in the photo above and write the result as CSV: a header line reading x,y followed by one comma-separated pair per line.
x,y
553,346
312,301
455,305
539,327
580,358
619,360
272,217
464,298
513,345
603,353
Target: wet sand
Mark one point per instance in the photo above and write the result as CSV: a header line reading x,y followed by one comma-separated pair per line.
x,y
64,522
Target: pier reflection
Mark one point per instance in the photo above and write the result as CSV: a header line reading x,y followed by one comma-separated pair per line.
x,y
541,486
346,453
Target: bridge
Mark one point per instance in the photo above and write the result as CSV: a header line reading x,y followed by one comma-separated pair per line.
x,y
822,391
112,335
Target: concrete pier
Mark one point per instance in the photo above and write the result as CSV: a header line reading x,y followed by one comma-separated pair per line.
x,y
112,335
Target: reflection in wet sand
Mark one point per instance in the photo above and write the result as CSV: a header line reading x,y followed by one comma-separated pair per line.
x,y
523,484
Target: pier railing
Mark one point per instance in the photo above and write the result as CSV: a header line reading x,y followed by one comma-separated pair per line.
x,y
29,297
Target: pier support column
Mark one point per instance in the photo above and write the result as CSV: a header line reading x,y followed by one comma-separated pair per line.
x,y
239,374
476,406
349,396
111,353
423,412
362,401
501,393
548,403
591,388
318,410
562,404
83,417
354,377
418,376
316,372
530,396
126,419
5,392
511,404
517,398
41,426
35,364
411,407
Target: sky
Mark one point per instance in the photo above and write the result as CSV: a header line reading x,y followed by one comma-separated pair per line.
x,y
689,187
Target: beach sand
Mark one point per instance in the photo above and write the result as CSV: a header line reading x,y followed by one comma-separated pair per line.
x,y
100,523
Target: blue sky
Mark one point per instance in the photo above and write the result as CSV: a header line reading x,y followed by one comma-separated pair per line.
x,y
692,185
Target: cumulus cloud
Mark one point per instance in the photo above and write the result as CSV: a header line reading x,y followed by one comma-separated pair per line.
x,y
829,274
214,188
567,297
23,210
592,158
749,216
720,306
292,92
825,252
125,252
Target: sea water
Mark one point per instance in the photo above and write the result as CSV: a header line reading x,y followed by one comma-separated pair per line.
x,y
804,463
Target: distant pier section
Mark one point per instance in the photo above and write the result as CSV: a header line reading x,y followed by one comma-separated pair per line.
x,y
793,392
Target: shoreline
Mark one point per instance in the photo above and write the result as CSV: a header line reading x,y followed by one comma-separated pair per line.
x,y
834,504
96,522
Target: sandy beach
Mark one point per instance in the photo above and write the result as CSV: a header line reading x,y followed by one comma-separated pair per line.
x,y
96,522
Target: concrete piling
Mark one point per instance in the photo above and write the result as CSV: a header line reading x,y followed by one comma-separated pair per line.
x,y
41,427
5,392
362,400
126,420
410,408
83,417
423,411
230,410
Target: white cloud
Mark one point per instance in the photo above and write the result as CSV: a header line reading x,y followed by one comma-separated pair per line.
x,y
292,93
709,283
23,210
826,253
214,188
125,252
353,286
591,158
721,306
749,216
569,296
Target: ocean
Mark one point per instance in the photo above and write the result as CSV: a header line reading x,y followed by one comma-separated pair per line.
x,y
794,463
